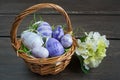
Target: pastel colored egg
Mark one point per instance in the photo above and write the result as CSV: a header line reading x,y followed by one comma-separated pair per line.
x,y
40,52
31,39
44,29
58,32
45,33
66,40
54,47
43,25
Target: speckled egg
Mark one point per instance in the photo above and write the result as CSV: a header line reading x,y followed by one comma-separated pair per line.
x,y
54,47
66,40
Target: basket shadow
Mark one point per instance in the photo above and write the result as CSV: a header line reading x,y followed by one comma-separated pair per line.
x,y
74,65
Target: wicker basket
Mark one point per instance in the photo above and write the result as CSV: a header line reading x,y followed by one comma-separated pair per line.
x,y
43,66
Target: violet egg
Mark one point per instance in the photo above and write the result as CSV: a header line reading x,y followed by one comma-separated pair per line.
x,y
31,39
54,47
58,32
40,52
44,29
66,40
45,33
43,26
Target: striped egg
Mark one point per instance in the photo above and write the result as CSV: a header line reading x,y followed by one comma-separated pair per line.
x,y
44,29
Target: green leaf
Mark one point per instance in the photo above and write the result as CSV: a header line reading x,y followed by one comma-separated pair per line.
x,y
24,50
31,23
83,38
34,18
34,27
81,63
53,27
40,18
20,51
64,26
67,49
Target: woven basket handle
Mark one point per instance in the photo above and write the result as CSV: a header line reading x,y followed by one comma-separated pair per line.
x,y
33,9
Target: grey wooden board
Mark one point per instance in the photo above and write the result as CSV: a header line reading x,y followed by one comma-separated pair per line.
x,y
74,7
107,25
14,68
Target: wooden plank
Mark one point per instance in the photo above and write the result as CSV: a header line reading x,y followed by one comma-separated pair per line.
x,y
12,67
108,25
73,7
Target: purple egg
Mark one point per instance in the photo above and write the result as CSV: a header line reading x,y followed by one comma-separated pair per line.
x,y
31,39
58,32
43,26
40,52
44,29
45,33
54,47
66,40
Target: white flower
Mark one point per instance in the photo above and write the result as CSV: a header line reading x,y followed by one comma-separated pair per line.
x,y
82,49
93,49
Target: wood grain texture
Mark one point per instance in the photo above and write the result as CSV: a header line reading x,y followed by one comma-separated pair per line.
x,y
77,6
12,67
107,25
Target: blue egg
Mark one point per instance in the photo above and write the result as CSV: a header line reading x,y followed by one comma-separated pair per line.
x,y
45,33
58,32
43,26
66,40
54,47
44,29
40,52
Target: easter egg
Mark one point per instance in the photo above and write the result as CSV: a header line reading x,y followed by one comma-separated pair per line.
x,y
58,32
31,39
54,47
66,40
40,52
43,26
45,33
44,29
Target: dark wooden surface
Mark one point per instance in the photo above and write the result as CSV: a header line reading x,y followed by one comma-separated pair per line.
x,y
86,15
73,7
